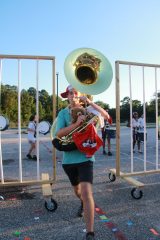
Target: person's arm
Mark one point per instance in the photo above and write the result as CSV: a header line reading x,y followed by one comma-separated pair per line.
x,y
62,131
31,127
66,130
141,123
30,130
96,107
110,121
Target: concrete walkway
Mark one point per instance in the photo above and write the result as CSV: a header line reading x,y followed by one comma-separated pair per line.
x,y
118,215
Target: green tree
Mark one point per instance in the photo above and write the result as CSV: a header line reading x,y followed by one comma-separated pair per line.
x,y
9,103
102,104
151,108
45,101
125,108
27,103
32,92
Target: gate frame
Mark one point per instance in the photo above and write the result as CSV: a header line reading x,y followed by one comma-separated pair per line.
x,y
117,171
46,181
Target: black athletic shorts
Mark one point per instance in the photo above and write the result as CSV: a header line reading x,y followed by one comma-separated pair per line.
x,y
141,136
79,172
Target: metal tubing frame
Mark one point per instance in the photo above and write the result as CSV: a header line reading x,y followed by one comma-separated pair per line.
x,y
117,171
1,163
38,181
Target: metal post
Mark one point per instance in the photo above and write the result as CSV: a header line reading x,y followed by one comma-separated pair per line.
x,y
37,113
57,93
19,120
1,163
117,79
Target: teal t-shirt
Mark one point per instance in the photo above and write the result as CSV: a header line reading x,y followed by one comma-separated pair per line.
x,y
75,156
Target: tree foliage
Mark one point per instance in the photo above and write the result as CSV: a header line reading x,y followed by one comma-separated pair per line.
x,y
9,105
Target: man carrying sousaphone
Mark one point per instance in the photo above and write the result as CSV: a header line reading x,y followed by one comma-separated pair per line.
x,y
77,165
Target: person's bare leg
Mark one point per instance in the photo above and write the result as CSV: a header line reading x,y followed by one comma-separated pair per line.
x,y
134,143
139,146
109,144
104,145
77,190
88,205
32,149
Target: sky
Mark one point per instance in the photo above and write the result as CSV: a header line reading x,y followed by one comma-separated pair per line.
x,y
120,29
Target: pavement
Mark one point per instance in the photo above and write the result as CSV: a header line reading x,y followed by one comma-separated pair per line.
x,y
117,214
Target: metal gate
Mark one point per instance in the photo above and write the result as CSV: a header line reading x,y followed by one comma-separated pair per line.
x,y
144,71
45,180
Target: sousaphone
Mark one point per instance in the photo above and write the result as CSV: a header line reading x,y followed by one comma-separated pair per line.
x,y
88,71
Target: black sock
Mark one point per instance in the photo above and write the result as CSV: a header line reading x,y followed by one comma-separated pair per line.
x,y
90,233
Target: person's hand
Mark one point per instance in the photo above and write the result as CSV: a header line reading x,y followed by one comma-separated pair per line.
x,y
85,99
80,119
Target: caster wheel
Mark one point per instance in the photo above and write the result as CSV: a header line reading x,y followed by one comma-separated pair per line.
x,y
1,198
136,193
51,205
112,177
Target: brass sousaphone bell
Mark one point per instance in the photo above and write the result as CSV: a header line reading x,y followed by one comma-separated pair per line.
x,y
88,71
